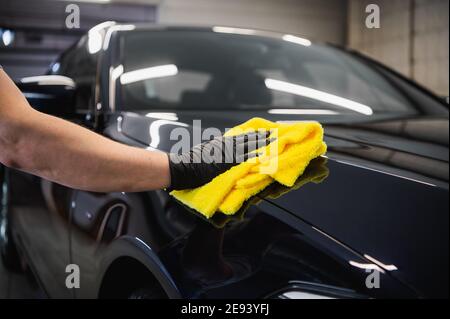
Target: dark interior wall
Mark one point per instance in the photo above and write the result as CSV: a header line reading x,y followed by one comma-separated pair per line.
x,y
413,38
41,33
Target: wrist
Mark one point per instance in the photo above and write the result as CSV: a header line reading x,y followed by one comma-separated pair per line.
x,y
177,172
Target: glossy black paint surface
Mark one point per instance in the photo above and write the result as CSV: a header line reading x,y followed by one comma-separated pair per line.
x,y
379,200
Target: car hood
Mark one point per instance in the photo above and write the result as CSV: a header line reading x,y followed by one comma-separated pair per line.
x,y
414,148
386,196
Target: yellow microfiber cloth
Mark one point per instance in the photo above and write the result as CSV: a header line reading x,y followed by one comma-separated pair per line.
x,y
283,160
316,172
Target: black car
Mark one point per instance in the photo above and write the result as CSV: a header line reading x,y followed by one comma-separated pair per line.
x,y
368,220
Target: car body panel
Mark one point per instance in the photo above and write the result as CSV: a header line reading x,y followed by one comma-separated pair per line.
x,y
39,215
398,228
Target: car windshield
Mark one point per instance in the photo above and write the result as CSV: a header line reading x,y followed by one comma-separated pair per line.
x,y
185,69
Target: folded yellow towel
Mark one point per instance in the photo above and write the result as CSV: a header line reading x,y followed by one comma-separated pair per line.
x,y
283,160
316,172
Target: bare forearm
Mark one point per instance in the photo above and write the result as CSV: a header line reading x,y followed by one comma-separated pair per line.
x,y
68,154
76,157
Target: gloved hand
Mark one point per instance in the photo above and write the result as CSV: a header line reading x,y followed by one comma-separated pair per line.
x,y
207,160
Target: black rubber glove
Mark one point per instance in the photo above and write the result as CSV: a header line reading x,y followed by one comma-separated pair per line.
x,y
207,160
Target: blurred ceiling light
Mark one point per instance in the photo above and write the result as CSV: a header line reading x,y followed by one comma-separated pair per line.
x,y
94,42
95,36
366,266
111,30
318,95
233,30
302,112
7,37
102,26
297,40
384,266
163,116
114,74
154,131
149,73
49,80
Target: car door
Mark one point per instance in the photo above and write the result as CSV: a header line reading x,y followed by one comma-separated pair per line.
x,y
39,215
96,220
40,210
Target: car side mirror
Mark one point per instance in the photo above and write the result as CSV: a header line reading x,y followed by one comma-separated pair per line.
x,y
51,94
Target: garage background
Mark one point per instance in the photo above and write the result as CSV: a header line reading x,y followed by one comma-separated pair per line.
x,y
413,38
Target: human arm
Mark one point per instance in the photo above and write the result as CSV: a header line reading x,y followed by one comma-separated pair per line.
x,y
68,154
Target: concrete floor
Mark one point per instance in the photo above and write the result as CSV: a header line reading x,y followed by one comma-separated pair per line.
x,y
17,286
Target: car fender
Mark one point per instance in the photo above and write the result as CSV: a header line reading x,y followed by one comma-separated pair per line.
x,y
140,251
